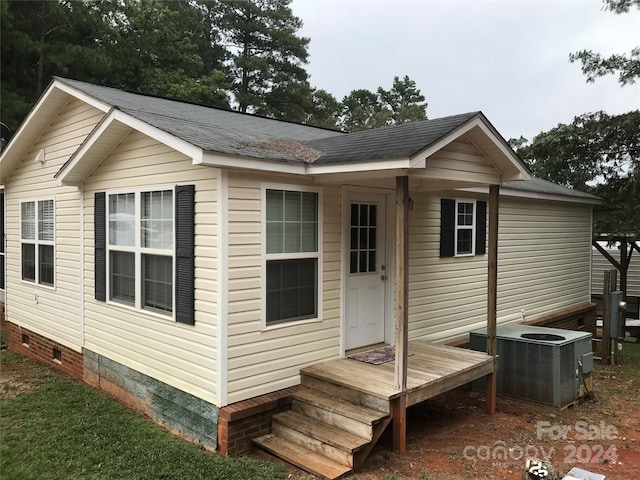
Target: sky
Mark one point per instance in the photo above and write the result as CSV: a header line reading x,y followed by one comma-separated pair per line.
x,y
509,58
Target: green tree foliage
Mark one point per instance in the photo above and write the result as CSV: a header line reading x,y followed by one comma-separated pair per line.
x,y
325,111
363,109
596,153
43,38
265,50
158,47
243,54
595,65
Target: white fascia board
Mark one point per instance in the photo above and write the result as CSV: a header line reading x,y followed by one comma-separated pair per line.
x,y
105,107
420,157
505,150
215,159
78,157
387,164
39,117
117,117
509,192
249,163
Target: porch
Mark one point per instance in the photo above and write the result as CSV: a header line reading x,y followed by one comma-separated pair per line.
x,y
342,406
432,369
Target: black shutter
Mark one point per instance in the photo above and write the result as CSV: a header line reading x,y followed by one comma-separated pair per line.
x,y
100,244
481,227
185,252
2,221
2,242
447,227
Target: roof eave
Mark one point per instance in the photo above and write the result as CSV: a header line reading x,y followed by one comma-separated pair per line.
x,y
553,197
508,162
54,98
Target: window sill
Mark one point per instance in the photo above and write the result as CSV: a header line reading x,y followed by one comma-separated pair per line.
x,y
139,311
51,288
292,323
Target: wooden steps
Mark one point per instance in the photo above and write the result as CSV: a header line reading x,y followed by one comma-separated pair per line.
x,y
301,457
326,432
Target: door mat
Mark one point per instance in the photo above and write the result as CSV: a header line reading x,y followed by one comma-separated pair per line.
x,y
377,356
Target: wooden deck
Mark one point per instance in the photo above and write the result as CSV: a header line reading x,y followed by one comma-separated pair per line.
x,y
343,406
432,369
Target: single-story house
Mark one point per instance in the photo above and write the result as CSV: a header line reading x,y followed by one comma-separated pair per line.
x,y
193,261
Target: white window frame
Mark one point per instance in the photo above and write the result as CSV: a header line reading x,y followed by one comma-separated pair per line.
x,y
139,251
37,242
471,227
290,256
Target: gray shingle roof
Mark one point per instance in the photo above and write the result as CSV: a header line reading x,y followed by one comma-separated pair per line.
x,y
224,131
537,185
211,129
397,141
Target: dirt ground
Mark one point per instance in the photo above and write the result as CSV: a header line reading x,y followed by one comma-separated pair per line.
x,y
451,438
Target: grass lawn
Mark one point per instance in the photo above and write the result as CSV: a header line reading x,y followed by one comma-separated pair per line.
x,y
54,428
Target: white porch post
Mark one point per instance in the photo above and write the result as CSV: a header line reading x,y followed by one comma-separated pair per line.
x,y
399,405
492,295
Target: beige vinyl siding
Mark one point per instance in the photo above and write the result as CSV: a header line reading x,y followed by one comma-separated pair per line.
x,y
51,312
264,360
447,296
543,266
600,264
183,356
460,161
543,257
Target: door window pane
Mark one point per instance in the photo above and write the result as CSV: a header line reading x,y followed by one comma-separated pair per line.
x,y
363,238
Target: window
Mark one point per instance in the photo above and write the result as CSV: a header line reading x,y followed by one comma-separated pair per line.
x,y
463,227
150,243
141,249
37,241
292,253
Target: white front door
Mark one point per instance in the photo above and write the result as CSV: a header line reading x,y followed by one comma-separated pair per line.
x,y
366,270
